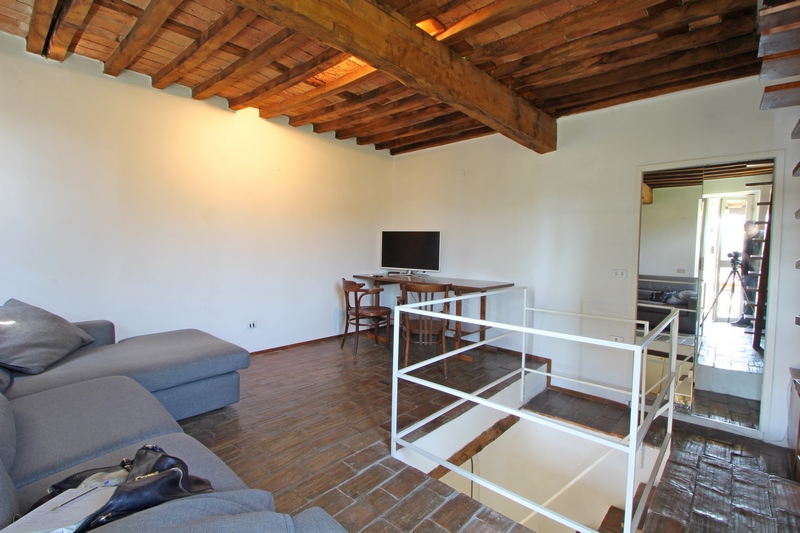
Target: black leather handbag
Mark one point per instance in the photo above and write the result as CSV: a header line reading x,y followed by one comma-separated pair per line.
x,y
154,477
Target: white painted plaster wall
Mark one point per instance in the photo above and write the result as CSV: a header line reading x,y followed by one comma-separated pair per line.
x,y
159,212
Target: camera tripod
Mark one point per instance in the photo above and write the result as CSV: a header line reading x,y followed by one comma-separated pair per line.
x,y
732,278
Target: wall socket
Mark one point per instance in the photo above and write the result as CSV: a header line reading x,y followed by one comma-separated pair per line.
x,y
251,325
619,273
617,338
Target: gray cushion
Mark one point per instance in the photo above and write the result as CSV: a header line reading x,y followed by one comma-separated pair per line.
x,y
8,499
158,361
315,519
68,425
8,434
5,379
201,461
32,339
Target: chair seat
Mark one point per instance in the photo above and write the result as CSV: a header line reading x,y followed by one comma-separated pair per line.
x,y
372,310
415,326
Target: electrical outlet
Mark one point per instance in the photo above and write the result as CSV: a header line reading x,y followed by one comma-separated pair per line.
x,y
251,325
617,338
619,273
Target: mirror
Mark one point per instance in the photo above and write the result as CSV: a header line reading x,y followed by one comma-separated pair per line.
x,y
704,244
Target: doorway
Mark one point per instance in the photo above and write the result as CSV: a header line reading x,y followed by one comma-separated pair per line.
x,y
726,366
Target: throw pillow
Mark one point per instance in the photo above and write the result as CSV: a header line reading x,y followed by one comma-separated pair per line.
x,y
5,378
32,339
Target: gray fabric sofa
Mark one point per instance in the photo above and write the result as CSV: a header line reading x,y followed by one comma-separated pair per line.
x,y
189,371
48,435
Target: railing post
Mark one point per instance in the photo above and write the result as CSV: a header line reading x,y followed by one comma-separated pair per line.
x,y
395,378
630,481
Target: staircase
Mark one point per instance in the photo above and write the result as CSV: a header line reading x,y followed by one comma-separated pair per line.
x,y
759,319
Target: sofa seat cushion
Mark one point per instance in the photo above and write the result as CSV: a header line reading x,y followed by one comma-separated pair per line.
x,y
65,426
157,361
200,460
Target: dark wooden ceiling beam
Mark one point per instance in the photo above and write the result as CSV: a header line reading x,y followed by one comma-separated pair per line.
x,y
620,36
481,131
319,63
431,129
640,74
322,92
263,54
226,27
390,42
43,13
781,95
397,106
391,122
779,66
574,25
624,57
455,118
71,18
349,106
740,71
145,28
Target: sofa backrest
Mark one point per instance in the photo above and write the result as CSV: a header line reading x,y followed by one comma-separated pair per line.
x,y
8,451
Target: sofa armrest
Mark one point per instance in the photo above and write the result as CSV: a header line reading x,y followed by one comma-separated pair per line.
x,y
102,331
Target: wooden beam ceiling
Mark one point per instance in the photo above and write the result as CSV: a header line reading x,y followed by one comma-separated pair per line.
x,y
388,41
692,176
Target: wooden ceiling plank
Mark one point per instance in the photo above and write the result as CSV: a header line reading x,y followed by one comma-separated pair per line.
x,y
580,21
449,139
404,104
41,19
332,88
780,41
782,15
263,54
638,74
600,64
596,43
779,66
738,72
222,30
331,111
70,19
413,116
151,21
391,43
419,10
445,124
487,17
652,81
298,73
781,95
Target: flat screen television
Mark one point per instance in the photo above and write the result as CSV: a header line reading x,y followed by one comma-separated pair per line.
x,y
410,251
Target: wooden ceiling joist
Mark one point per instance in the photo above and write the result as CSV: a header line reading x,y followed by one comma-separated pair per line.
x,y
150,22
371,115
691,176
388,41
399,135
296,74
781,95
234,20
319,93
391,122
70,19
348,106
465,135
261,55
41,20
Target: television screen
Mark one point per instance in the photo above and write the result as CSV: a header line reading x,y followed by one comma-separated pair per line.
x,y
409,251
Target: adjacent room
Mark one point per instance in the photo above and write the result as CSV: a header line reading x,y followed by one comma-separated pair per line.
x,y
222,166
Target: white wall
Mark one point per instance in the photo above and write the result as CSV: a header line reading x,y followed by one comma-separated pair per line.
x,y
159,212
668,241
559,223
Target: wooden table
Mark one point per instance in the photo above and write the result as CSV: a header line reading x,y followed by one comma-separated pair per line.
x,y
460,287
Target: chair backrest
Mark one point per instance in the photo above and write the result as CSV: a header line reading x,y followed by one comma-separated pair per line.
x,y
354,292
425,328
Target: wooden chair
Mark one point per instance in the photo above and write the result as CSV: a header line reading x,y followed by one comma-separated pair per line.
x,y
420,329
363,315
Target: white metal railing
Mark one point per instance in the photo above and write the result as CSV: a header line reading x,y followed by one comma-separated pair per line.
x,y
639,423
